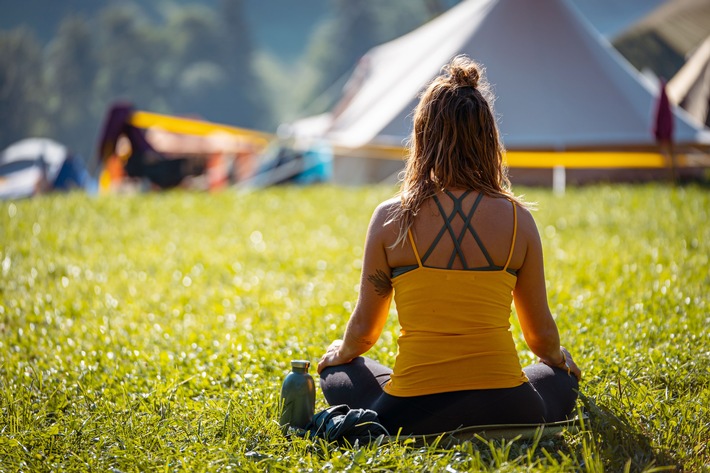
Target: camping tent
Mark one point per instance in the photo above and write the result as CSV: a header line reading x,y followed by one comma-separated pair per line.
x,y
682,28
681,24
36,165
560,86
690,87
165,150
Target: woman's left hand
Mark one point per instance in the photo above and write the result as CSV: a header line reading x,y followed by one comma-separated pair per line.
x,y
567,364
332,357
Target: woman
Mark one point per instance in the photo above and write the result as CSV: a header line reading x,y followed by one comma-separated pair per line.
x,y
455,247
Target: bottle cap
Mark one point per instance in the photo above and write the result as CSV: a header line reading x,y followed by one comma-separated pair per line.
x,y
301,364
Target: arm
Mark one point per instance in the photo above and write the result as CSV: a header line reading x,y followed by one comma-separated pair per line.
x,y
530,294
367,320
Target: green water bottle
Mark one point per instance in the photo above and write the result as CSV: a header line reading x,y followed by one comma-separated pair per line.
x,y
298,396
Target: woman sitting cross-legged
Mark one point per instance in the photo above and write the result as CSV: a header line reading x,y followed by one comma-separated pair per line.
x,y
455,248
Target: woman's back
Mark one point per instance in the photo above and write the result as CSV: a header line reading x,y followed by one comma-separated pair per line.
x,y
454,303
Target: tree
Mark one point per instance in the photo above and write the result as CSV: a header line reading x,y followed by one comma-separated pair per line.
x,y
244,100
70,73
340,42
131,53
353,29
212,63
22,91
196,57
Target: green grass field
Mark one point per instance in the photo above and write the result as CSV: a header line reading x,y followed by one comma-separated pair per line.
x,y
152,332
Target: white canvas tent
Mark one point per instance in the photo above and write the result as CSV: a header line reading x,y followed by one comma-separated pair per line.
x,y
690,87
682,24
685,26
560,85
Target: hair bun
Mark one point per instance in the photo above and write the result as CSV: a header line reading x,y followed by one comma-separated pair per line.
x,y
463,72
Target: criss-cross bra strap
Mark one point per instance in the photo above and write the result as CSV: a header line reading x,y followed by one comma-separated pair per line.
x,y
447,226
472,230
458,240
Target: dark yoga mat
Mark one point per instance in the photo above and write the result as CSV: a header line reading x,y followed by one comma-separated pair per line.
x,y
496,432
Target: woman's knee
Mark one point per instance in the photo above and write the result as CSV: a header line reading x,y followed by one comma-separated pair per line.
x,y
357,383
556,387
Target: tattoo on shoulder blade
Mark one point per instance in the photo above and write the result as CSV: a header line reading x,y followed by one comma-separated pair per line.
x,y
382,283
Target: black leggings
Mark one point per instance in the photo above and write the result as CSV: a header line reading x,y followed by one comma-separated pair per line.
x,y
549,396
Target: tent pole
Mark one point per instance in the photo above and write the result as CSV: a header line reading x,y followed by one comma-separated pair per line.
x,y
559,180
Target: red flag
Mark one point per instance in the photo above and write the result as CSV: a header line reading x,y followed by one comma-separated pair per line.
x,y
663,126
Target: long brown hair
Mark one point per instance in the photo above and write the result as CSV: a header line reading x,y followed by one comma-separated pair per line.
x,y
454,142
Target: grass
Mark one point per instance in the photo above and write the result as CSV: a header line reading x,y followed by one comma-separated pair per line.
x,y
152,332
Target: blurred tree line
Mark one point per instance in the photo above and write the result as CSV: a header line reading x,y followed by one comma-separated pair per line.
x,y
194,59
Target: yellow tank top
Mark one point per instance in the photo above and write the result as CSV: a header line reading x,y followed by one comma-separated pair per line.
x,y
455,329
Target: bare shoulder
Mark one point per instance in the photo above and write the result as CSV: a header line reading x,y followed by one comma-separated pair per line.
x,y
382,230
525,216
502,208
390,204
383,212
527,228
